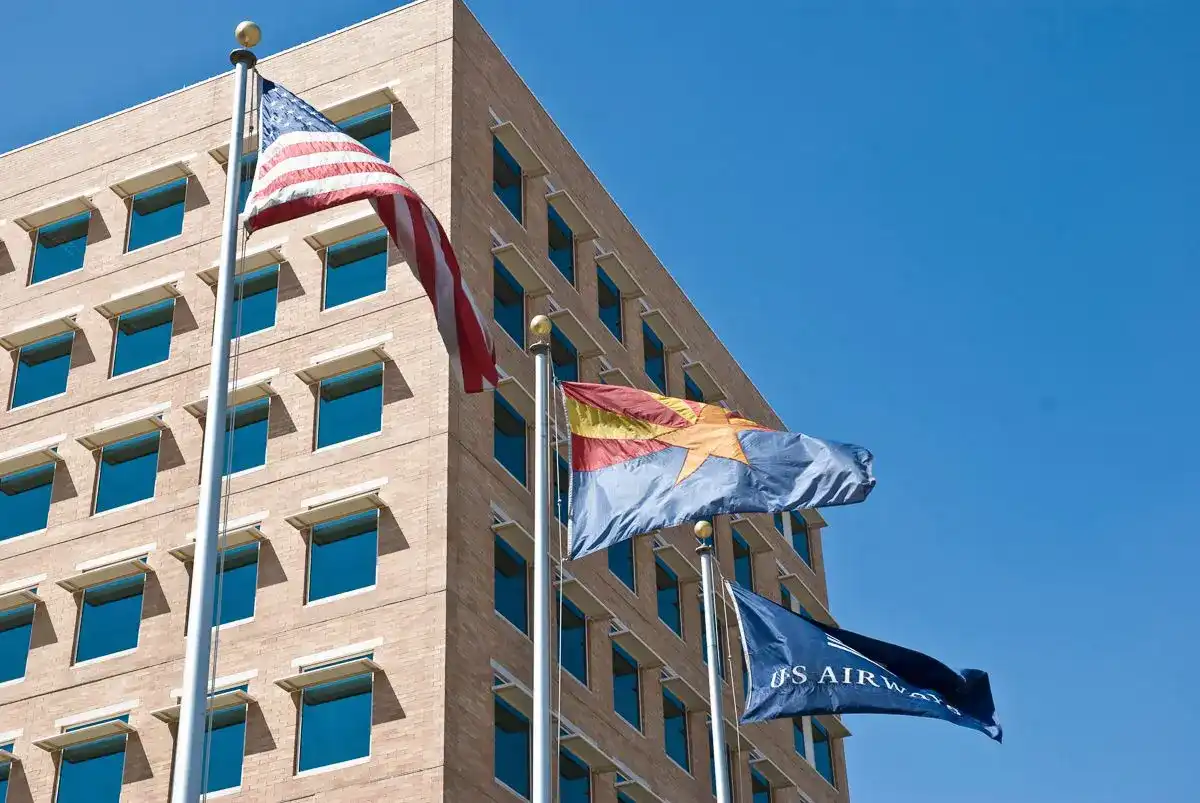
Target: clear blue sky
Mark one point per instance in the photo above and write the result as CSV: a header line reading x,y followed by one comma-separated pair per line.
x,y
962,234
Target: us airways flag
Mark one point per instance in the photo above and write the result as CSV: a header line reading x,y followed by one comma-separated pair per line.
x,y
307,164
797,666
640,462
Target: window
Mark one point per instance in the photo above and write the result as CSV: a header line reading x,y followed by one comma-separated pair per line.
x,y
823,753
91,772
42,369
691,391
355,268
609,300
760,790
627,697
624,798
512,756
511,573
508,302
128,471
255,297
226,748
798,742
507,180
246,168
238,584
143,337
16,629
373,129
743,561
574,779
58,248
510,447
675,730
621,563
335,722
564,356
5,771
156,214
704,644
350,406
246,436
560,243
25,500
712,765
667,584
343,555
791,525
785,597
110,618
562,490
655,358
574,637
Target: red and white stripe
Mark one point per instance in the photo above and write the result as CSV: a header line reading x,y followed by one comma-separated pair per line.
x,y
305,172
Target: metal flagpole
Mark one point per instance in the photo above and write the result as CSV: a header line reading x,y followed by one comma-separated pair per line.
x,y
542,761
189,744
704,531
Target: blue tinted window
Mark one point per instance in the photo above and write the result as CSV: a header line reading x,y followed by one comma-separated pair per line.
x,y
510,431
92,772
25,500
143,337
800,541
247,166
110,617
620,563
760,790
238,584
511,574
355,268
512,748
624,798
691,391
675,730
655,358
560,242
59,247
255,297
564,356
127,473
42,369
574,641
712,765
16,628
246,436
156,214
335,722
508,302
743,561
372,128
609,300
798,735
667,584
574,779
627,696
351,406
562,490
785,597
5,771
507,179
344,555
226,749
823,753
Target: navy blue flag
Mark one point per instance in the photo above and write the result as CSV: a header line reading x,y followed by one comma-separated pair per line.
x,y
797,667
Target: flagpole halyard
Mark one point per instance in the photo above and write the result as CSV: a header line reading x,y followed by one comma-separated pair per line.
x,y
704,532
540,328
189,745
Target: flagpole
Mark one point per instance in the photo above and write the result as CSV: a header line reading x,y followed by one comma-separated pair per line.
x,y
540,327
704,531
189,744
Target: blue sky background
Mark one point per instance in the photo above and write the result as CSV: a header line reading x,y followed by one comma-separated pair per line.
x,y
962,234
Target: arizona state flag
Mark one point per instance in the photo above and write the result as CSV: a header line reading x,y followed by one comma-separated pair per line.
x,y
640,462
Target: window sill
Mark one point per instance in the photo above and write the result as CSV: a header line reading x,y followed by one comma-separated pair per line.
x,y
36,402
520,223
511,476
103,658
629,725
12,682
344,595
44,282
22,537
139,370
244,472
130,506
509,789
354,762
239,340
151,245
230,792
352,302
233,624
340,444
516,629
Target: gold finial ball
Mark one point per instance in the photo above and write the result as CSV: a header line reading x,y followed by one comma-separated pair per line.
x,y
248,33
540,326
703,529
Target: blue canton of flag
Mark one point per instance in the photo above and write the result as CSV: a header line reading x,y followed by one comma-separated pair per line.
x,y
798,667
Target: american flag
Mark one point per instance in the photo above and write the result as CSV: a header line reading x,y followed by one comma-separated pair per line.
x,y
306,164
